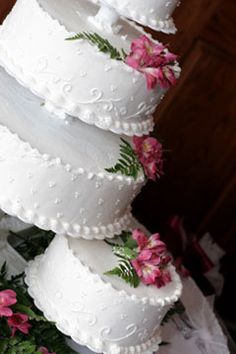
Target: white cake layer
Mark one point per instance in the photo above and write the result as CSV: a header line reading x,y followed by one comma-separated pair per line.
x,y
73,76
98,311
52,173
155,14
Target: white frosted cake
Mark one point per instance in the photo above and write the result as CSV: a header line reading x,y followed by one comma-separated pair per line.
x,y
74,77
101,312
60,182
65,63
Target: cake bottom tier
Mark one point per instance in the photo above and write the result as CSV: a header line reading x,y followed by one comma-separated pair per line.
x,y
99,311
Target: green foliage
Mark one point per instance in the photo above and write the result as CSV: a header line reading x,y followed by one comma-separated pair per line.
x,y
17,346
128,163
125,249
125,252
128,240
103,44
31,242
42,332
48,335
125,271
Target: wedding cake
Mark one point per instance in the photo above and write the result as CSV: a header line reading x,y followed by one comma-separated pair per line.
x,y
79,82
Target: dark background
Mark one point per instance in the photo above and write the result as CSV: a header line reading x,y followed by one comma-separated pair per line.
x,y
197,124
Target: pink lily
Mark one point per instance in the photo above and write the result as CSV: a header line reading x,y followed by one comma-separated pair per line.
x,y
7,298
149,151
19,321
154,61
152,260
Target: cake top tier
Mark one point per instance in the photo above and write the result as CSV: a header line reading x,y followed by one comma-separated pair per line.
x,y
77,77
155,14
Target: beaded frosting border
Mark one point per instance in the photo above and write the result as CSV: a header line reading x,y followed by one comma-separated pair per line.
x,y
60,227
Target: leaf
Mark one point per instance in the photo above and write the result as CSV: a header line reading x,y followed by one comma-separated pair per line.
x,y
125,235
126,272
32,243
128,163
102,44
125,252
29,312
128,240
15,345
3,271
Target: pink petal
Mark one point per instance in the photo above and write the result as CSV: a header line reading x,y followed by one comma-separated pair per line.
x,y
154,241
5,312
43,350
7,297
137,266
151,170
150,273
169,75
140,238
145,255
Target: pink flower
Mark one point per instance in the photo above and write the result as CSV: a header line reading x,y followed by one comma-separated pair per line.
x,y
149,151
7,298
154,61
44,350
152,243
152,260
19,321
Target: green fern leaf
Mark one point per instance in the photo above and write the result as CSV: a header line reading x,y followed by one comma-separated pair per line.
x,y
103,44
126,272
128,163
125,252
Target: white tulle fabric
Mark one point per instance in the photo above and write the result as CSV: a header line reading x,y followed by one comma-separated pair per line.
x,y
197,331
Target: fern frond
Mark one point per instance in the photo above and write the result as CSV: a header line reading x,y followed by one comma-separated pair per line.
x,y
125,252
103,44
125,271
128,163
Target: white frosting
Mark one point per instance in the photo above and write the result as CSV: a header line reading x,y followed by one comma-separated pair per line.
x,y
155,14
52,173
74,77
95,310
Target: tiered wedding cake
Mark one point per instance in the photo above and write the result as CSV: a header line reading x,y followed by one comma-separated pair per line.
x,y
76,65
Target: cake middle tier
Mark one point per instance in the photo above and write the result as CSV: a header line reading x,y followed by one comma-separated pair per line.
x,y
53,174
74,77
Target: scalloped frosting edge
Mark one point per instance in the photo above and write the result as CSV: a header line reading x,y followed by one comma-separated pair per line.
x,y
66,166
81,337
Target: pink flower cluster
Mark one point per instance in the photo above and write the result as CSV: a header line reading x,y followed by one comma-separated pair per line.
x,y
152,260
149,151
154,61
16,321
